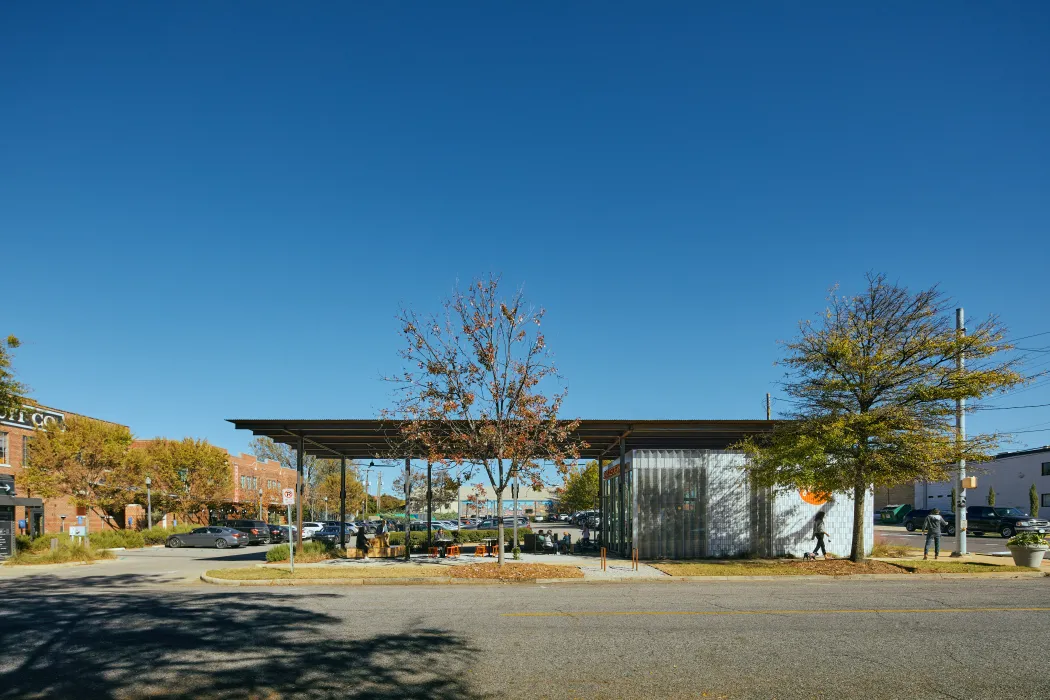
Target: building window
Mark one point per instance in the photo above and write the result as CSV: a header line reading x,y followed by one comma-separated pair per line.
x,y
1046,468
1045,500
3,448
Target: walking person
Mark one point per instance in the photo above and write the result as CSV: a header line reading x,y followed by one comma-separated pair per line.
x,y
819,532
932,527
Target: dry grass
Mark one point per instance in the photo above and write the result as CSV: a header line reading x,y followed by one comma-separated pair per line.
x,y
829,567
515,572
958,567
63,555
253,573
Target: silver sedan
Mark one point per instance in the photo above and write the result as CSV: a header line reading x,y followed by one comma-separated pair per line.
x,y
213,536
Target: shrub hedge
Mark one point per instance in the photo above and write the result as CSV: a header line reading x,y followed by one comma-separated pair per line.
x,y
312,551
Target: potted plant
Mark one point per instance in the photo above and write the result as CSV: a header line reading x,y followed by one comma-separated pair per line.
x,y
1028,549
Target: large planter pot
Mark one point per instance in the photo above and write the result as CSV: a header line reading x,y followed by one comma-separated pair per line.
x,y
1028,554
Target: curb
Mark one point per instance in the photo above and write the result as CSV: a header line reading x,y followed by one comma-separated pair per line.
x,y
444,581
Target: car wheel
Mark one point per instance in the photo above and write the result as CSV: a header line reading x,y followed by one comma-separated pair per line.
x,y
174,543
951,531
1007,532
909,526
220,544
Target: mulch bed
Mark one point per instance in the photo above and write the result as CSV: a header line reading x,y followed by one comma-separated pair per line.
x,y
843,567
514,572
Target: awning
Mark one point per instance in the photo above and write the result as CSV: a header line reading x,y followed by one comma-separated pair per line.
x,y
16,501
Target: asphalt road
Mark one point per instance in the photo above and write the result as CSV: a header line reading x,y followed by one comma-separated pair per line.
x,y
121,637
987,544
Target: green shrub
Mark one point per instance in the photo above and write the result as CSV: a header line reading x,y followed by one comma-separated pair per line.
x,y
112,539
312,551
1029,539
160,535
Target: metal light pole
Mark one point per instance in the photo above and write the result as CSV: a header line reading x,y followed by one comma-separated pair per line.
x,y
326,507
342,503
408,495
260,505
960,440
149,505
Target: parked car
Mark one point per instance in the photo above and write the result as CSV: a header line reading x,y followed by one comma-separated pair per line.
x,y
278,534
310,528
369,526
211,536
914,519
258,532
1006,521
563,517
329,534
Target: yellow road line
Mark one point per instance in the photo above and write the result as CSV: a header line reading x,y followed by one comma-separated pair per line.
x,y
717,613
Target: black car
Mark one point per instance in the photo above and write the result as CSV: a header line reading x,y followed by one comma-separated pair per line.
x,y
1005,521
914,519
330,534
277,533
258,532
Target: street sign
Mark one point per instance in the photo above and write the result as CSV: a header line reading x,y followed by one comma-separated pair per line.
x,y
78,530
288,497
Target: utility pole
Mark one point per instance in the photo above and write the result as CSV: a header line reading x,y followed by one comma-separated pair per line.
x,y
368,484
769,407
149,505
379,490
960,441
299,490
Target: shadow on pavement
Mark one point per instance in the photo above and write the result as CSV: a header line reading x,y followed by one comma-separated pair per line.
x,y
107,637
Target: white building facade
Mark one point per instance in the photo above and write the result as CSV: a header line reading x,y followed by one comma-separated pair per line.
x,y
1011,474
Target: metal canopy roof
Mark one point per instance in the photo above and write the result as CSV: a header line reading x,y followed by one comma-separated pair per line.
x,y
367,438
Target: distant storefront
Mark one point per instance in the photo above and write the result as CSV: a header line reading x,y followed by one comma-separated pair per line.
x,y
482,501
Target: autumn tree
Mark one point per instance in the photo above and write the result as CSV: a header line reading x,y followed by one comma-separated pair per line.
x,y
580,489
189,475
88,461
11,391
472,388
444,489
328,479
874,385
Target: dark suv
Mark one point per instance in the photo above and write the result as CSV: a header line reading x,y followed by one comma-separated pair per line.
x,y
1006,521
914,519
258,532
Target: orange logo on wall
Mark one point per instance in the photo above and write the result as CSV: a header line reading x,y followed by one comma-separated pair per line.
x,y
814,498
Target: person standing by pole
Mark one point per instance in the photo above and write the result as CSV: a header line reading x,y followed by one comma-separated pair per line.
x,y
932,527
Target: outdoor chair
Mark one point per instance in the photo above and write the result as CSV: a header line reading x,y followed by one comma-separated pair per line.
x,y
480,550
452,551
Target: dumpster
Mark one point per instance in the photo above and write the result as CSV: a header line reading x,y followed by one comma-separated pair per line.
x,y
894,514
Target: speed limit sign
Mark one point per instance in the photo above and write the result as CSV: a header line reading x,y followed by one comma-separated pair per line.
x,y
288,497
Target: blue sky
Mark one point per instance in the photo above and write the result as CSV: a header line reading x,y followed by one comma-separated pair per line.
x,y
213,210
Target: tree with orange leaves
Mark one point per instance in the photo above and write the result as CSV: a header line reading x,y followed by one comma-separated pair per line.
x,y
472,388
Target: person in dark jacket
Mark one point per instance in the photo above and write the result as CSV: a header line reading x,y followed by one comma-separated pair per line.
x,y
819,533
932,527
381,534
362,541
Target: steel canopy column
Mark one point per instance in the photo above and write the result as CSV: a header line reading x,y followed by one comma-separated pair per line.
x,y
430,504
619,495
299,492
342,503
408,522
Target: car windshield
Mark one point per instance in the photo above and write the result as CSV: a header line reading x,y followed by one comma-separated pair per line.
x,y
1016,512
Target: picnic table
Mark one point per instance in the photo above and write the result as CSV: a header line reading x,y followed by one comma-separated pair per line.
x,y
490,543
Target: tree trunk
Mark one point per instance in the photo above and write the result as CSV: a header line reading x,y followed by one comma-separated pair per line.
x,y
499,526
860,494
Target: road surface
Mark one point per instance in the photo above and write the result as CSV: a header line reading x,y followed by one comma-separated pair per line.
x,y
121,636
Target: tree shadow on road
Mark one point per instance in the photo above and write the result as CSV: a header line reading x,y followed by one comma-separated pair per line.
x,y
111,637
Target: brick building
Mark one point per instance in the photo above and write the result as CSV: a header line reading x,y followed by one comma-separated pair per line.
x,y
16,432
250,476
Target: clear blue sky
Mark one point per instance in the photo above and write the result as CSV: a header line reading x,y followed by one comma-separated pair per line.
x,y
213,210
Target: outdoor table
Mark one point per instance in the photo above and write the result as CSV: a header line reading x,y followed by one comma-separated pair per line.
x,y
490,542
442,545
